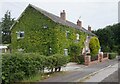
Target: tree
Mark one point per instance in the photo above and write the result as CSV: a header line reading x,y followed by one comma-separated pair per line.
x,y
94,46
6,23
109,38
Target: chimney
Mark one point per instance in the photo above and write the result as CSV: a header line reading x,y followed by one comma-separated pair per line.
x,y
63,15
79,23
89,28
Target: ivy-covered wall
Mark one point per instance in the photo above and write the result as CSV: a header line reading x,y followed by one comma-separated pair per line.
x,y
40,39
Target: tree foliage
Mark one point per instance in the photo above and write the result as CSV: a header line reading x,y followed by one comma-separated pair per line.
x,y
6,23
94,45
109,38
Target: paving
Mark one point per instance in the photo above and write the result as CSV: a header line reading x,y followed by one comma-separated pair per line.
x,y
74,72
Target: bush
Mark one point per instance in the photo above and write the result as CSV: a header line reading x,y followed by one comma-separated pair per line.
x,y
56,61
112,55
18,66
94,45
80,59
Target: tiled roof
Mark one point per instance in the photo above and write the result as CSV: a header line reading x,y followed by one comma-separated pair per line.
x,y
59,20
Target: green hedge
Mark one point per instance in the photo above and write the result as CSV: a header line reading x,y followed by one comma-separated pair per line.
x,y
112,55
80,59
17,66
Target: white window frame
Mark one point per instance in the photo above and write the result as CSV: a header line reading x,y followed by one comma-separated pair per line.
x,y
19,34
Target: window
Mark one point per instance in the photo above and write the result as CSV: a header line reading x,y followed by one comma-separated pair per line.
x,y
66,52
77,36
67,34
45,26
20,34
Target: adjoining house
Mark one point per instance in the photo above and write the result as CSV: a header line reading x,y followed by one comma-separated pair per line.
x,y
36,30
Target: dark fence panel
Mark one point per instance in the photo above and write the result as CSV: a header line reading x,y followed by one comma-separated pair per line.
x,y
104,55
94,58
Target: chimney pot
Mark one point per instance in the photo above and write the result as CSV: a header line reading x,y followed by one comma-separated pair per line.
x,y
79,23
63,15
89,28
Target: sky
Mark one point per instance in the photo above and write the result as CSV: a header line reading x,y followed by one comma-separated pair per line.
x,y
96,13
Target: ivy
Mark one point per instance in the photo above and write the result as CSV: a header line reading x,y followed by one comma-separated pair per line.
x,y
41,34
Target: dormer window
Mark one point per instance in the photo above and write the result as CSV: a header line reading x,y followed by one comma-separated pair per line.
x,y
77,36
20,34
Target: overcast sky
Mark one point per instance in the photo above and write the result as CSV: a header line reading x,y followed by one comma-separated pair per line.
x,y
96,13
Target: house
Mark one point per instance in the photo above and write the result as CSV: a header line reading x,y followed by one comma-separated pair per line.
x,y
36,30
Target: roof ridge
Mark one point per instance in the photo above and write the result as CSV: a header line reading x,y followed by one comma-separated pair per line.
x,y
56,19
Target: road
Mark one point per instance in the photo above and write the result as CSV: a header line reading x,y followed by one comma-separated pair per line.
x,y
112,78
76,76
103,74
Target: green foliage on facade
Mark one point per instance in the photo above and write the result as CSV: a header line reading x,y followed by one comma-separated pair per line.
x,y
17,66
47,41
94,46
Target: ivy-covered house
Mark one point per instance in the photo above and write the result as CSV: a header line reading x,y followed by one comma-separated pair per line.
x,y
36,30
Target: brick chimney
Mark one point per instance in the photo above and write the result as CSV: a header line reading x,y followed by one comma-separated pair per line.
x,y
63,15
79,23
89,28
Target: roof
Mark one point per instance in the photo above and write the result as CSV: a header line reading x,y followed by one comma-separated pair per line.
x,y
58,20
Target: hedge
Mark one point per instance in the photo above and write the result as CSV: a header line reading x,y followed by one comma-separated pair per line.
x,y
112,55
80,59
18,66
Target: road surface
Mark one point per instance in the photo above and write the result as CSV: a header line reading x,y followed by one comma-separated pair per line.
x,y
78,74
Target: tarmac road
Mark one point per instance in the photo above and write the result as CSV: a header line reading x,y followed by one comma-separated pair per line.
x,y
75,76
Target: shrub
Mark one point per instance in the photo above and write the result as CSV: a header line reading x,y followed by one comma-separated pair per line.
x,y
18,66
80,59
112,55
94,46
55,61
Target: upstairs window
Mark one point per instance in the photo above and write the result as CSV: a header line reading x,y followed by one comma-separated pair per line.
x,y
77,36
20,34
